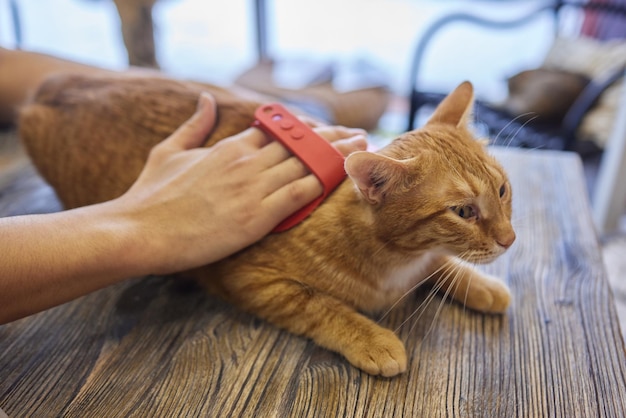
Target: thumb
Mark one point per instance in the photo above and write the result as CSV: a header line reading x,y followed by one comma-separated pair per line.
x,y
194,131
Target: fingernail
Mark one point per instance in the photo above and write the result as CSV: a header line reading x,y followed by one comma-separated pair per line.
x,y
357,131
205,99
359,140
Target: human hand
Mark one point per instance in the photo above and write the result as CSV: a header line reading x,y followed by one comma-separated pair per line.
x,y
193,206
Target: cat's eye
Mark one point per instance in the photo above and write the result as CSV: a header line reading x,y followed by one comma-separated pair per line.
x,y
502,190
465,212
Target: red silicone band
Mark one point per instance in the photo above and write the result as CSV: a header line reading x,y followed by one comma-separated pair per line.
x,y
321,158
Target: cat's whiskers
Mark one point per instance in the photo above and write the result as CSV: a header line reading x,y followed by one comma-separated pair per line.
x,y
521,222
420,309
509,124
469,283
482,259
476,257
467,288
538,147
518,130
408,292
517,218
425,302
451,283
450,266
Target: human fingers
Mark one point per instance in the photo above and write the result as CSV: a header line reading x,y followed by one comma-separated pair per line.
x,y
253,138
275,153
282,174
349,145
286,169
272,154
346,140
194,131
260,151
290,198
310,121
335,133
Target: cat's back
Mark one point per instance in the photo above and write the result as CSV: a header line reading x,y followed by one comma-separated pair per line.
x,y
89,136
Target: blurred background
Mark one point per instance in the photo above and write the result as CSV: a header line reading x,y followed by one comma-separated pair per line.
x,y
216,41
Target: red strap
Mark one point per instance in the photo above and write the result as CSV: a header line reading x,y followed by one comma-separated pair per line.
x,y
321,158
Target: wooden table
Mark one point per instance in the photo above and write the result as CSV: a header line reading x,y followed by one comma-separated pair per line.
x,y
155,347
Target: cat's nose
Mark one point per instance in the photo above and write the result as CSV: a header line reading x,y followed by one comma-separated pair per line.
x,y
506,239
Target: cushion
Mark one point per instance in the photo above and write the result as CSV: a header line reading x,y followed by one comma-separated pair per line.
x,y
597,60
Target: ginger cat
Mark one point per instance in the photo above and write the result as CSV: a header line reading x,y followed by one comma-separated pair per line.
x,y
405,215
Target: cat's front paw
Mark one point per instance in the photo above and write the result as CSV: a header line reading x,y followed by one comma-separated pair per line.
x,y
383,354
488,294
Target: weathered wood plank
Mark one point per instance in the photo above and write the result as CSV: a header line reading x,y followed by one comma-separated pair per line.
x,y
155,347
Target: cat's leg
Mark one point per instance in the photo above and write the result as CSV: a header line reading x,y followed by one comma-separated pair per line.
x,y
470,287
329,322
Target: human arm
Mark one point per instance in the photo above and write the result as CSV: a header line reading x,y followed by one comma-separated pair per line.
x,y
190,206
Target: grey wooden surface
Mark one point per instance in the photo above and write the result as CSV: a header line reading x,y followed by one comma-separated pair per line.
x,y
158,347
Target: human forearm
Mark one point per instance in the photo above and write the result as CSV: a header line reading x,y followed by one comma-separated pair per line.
x,y
46,260
190,206
21,72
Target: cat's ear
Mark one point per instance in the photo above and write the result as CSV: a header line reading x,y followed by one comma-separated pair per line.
x,y
456,108
375,175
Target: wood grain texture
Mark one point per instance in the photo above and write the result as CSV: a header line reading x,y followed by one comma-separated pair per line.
x,y
157,347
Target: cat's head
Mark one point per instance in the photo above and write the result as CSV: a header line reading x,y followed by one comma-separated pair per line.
x,y
437,188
